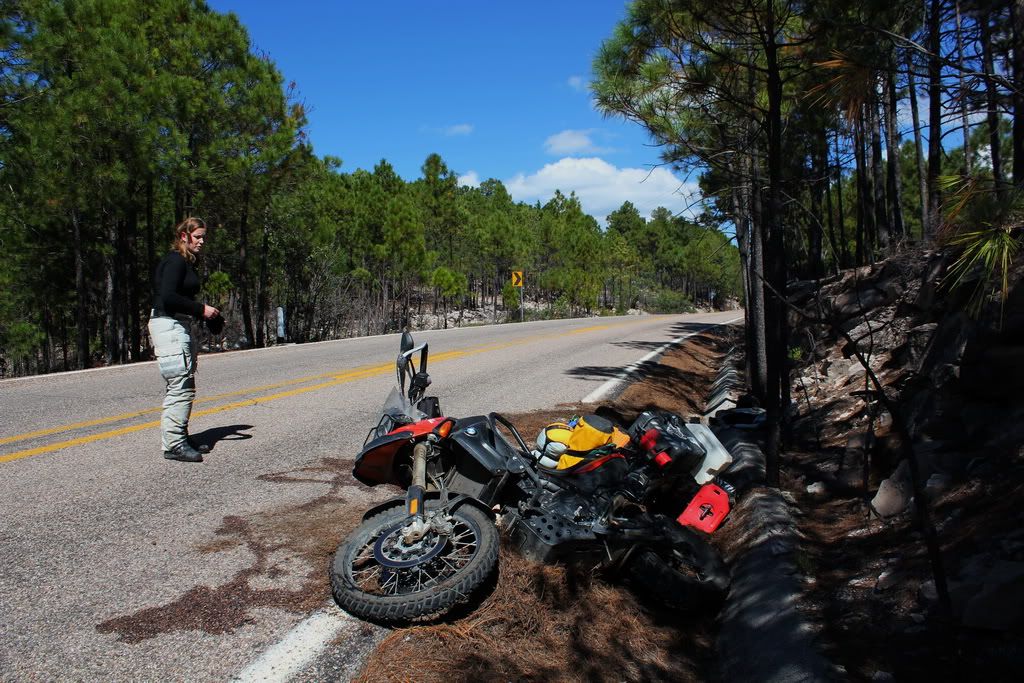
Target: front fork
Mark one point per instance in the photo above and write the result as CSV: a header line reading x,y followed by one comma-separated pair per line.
x,y
414,496
417,526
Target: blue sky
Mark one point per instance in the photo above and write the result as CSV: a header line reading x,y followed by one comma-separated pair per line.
x,y
499,90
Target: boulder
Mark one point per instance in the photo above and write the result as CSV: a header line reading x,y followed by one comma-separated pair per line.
x,y
895,493
817,489
918,339
889,578
937,483
858,301
930,281
999,605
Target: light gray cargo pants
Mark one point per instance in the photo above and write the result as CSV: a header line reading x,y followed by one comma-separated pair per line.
x,y
176,357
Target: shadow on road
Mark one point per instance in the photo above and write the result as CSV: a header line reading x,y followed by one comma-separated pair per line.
x,y
211,436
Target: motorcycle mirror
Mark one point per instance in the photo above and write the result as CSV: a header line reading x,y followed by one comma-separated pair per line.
x,y
406,343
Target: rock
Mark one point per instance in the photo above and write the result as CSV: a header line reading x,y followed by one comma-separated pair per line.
x,y
887,579
937,483
894,493
1005,572
999,606
949,341
839,368
930,282
953,518
817,489
918,339
882,676
855,444
858,301
944,374
980,467
927,591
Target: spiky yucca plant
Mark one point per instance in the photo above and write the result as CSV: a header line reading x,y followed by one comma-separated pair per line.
x,y
987,252
987,255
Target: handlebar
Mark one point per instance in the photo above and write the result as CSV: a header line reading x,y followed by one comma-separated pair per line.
x,y
524,449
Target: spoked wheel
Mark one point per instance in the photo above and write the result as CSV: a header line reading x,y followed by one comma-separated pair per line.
x,y
380,574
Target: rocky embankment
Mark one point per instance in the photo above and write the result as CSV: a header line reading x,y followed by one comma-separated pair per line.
x,y
939,459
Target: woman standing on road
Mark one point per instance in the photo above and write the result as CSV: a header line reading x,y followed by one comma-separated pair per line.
x,y
175,285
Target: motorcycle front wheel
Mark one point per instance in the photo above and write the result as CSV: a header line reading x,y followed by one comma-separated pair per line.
x,y
379,577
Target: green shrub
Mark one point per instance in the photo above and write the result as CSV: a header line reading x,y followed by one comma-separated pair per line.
x,y
671,301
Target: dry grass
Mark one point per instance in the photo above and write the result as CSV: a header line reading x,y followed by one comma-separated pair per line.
x,y
548,623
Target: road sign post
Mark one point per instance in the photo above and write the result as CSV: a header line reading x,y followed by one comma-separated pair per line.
x,y
517,281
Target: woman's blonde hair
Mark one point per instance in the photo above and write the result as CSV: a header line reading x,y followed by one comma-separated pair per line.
x,y
189,225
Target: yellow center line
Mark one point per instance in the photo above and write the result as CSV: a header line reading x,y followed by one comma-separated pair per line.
x,y
157,409
336,378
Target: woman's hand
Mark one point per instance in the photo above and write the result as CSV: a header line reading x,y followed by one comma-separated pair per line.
x,y
210,311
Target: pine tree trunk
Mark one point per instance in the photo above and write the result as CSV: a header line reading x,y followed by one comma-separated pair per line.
x,y
82,307
922,173
262,297
1017,17
994,141
860,252
878,177
110,296
841,217
892,146
964,123
815,266
934,120
756,276
774,259
829,214
134,303
47,339
243,266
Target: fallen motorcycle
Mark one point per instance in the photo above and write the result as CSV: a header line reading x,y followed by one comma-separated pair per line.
x,y
640,505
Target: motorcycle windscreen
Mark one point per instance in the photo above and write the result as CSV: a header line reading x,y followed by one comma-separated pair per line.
x,y
707,510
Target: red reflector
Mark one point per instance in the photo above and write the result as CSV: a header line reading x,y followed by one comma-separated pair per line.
x,y
648,439
662,459
707,510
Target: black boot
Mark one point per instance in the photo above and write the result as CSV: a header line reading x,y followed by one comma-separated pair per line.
x,y
201,447
184,452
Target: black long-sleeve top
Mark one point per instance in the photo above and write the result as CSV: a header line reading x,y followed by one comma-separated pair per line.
x,y
175,285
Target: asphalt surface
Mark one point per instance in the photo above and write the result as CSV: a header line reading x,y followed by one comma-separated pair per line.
x,y
112,556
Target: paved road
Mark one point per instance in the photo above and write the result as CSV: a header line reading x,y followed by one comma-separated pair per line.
x,y
120,565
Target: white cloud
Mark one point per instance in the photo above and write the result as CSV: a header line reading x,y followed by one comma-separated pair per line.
x,y
471,179
459,129
577,83
572,142
602,187
448,131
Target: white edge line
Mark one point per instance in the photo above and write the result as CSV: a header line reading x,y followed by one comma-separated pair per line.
x,y
609,386
287,658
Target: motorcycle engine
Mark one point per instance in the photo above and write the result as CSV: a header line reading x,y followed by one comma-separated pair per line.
x,y
557,526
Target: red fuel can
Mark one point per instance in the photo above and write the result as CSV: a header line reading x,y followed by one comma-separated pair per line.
x,y
707,510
